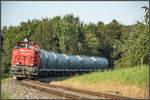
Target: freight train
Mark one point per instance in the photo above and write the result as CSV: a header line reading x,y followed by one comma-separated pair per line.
x,y
28,61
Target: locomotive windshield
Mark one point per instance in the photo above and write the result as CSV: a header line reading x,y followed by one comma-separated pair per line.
x,y
29,46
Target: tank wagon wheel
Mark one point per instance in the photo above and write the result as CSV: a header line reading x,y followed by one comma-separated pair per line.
x,y
102,69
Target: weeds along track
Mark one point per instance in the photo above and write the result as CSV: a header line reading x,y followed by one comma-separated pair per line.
x,y
68,92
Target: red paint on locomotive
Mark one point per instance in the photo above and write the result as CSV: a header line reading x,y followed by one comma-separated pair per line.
x,y
26,54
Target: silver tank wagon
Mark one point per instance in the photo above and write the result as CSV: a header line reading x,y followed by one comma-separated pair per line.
x,y
50,61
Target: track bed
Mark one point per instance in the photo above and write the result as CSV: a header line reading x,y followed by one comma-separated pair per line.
x,y
68,92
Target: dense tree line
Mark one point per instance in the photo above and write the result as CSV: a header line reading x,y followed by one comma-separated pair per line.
x,y
122,45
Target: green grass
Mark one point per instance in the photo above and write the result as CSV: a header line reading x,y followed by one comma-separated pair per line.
x,y
3,95
5,79
135,76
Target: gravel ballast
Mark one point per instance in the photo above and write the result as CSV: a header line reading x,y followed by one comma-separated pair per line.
x,y
11,88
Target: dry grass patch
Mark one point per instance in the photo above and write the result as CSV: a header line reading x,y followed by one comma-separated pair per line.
x,y
133,91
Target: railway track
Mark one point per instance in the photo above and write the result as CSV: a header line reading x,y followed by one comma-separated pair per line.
x,y
68,92
62,94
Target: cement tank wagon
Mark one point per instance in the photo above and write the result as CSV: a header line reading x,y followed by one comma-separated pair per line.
x,y
55,61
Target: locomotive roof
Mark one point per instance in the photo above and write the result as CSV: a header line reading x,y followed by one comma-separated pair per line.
x,y
23,42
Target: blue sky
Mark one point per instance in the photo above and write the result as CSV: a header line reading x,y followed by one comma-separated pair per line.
x,y
125,12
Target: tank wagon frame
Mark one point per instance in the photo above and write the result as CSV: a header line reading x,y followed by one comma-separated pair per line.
x,y
28,60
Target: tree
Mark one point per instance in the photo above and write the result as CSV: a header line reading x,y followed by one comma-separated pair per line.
x,y
134,45
91,41
146,17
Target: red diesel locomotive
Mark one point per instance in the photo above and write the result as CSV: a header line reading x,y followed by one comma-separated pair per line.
x,y
25,59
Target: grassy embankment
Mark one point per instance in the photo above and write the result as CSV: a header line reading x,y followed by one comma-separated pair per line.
x,y
4,95
132,82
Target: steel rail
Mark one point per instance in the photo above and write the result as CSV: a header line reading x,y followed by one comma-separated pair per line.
x,y
98,94
67,95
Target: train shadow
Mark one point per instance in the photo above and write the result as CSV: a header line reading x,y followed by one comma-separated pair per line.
x,y
50,79
56,77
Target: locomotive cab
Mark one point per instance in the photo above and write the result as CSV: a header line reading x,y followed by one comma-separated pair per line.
x,y
25,59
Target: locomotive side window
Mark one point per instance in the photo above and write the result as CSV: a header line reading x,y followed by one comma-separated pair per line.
x,y
36,50
30,46
20,46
